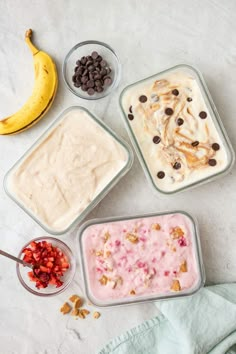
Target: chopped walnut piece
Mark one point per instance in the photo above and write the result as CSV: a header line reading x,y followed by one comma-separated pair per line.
x,y
99,253
156,227
66,308
75,312
173,249
176,232
74,298
183,267
107,254
106,237
85,312
96,314
132,292
103,280
78,303
175,285
132,238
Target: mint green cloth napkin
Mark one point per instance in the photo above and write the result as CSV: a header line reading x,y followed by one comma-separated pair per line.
x,y
199,324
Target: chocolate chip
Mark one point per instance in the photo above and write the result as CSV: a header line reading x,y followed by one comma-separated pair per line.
x,y
84,87
202,114
91,76
103,72
212,162
169,111
89,63
83,60
107,81
99,89
130,116
99,58
98,83
90,83
195,143
180,121
84,79
103,63
74,78
177,165
76,68
130,109
161,174
189,99
77,84
96,64
143,98
78,62
91,68
215,147
97,77
94,55
91,91
85,72
156,139
175,92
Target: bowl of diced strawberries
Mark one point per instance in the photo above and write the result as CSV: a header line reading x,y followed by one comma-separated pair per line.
x,y
53,266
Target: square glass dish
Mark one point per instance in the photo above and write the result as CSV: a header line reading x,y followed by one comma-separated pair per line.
x,y
126,260
176,130
68,170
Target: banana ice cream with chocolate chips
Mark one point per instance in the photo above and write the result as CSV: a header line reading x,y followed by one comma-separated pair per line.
x,y
176,134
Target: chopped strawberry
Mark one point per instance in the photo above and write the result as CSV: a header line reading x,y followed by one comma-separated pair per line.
x,y
49,261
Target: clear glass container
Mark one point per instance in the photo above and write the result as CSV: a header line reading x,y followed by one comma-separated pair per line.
x,y
195,261
140,144
85,49
22,272
101,194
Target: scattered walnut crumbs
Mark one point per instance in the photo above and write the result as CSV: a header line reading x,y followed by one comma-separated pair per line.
x,y
175,285
132,238
66,308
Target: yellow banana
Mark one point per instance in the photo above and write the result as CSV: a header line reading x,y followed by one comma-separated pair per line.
x,y
43,94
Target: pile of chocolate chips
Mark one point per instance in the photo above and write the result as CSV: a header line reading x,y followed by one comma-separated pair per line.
x,y
92,74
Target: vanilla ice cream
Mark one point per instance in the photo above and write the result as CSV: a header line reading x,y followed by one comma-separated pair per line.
x,y
73,163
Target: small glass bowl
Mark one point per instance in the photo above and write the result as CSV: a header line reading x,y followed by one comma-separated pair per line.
x,y
22,272
85,49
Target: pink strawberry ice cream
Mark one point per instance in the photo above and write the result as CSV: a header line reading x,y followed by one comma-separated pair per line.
x,y
151,256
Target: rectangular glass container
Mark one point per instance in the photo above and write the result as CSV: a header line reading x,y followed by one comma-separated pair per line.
x,y
176,130
109,177
103,263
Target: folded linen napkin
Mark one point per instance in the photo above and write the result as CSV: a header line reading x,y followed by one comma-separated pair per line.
x,y
199,324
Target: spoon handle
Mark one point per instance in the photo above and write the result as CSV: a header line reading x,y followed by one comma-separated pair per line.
x,y
18,260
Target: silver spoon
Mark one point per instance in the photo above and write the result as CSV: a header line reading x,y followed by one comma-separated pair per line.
x,y
18,260
42,277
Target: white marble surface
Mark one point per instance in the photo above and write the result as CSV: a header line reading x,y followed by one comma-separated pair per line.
x,y
148,36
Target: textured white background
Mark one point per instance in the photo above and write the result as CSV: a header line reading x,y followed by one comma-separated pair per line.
x,y
148,36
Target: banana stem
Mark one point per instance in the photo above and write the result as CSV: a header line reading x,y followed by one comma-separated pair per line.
x,y
28,35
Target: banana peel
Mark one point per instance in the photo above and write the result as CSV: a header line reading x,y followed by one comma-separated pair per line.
x,y
43,94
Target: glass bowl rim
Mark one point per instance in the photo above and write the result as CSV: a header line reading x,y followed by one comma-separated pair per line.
x,y
57,290
84,43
